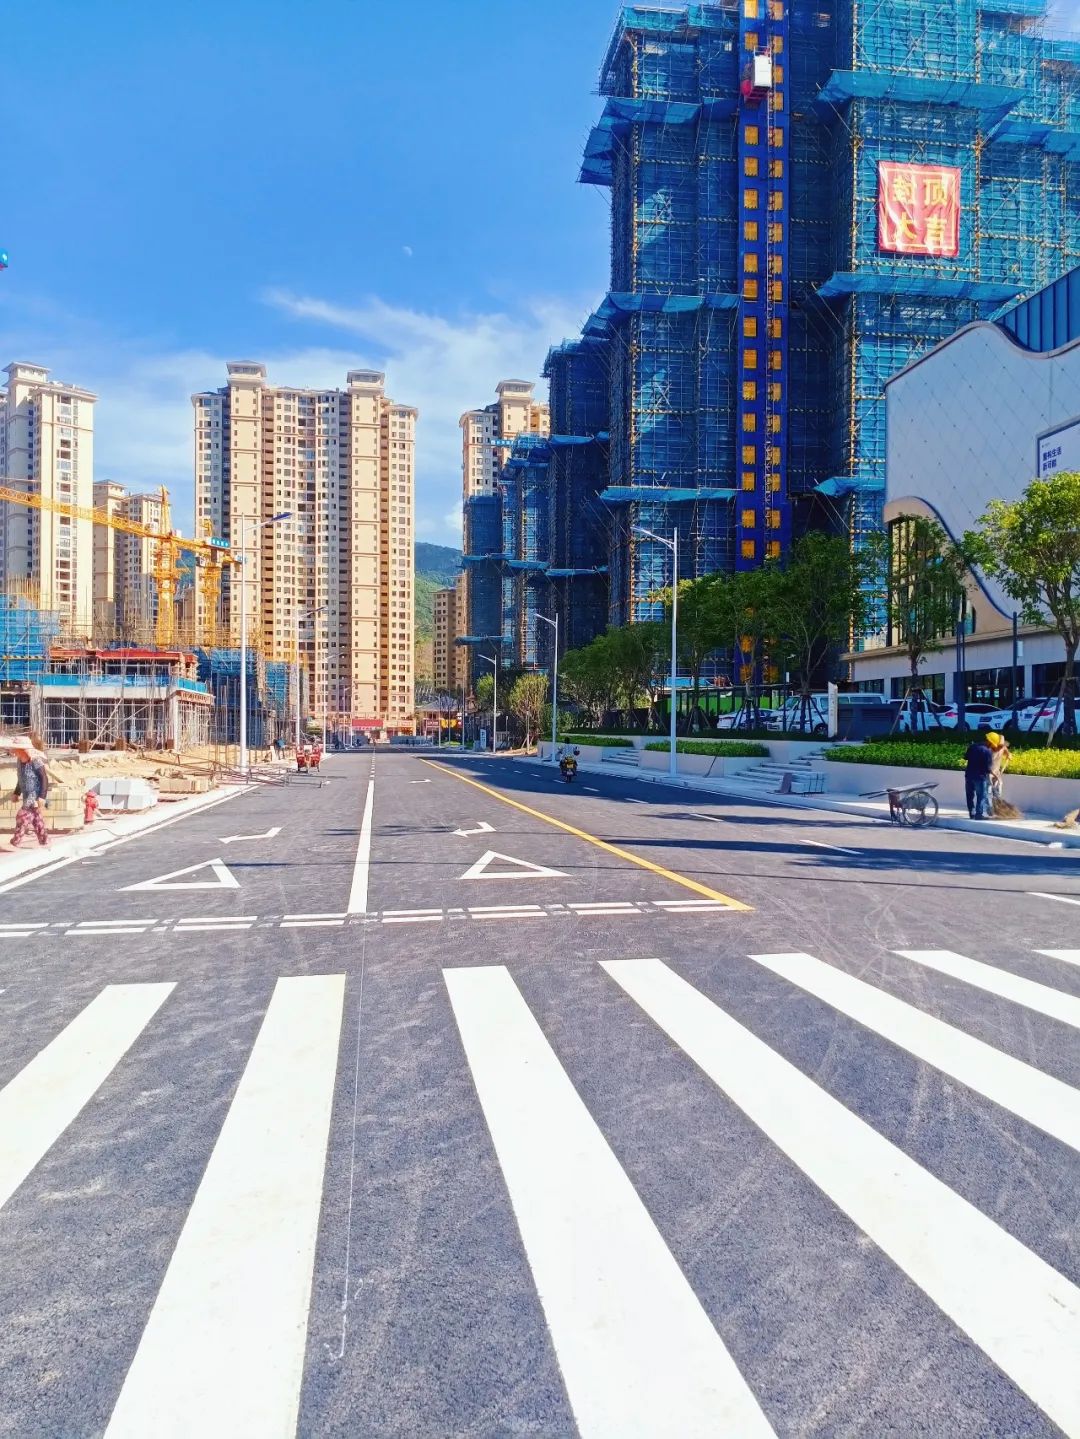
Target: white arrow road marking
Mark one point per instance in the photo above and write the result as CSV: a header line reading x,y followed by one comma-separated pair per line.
x,y
270,834
525,869
223,878
485,828
419,781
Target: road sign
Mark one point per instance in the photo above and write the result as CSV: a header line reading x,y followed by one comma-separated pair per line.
x,y
523,868
223,878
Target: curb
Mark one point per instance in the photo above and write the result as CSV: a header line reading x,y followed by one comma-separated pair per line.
x,y
998,829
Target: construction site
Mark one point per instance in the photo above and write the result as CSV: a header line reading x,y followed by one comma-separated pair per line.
x,y
803,200
154,678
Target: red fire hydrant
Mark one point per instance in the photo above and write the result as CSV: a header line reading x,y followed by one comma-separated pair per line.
x,y
90,807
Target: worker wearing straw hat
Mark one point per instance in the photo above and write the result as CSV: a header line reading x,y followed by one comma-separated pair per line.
x,y
32,792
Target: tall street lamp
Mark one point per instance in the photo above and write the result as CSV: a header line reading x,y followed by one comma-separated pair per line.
x,y
673,546
494,662
554,683
304,617
245,527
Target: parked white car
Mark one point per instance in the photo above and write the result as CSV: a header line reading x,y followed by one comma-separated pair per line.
x,y
976,716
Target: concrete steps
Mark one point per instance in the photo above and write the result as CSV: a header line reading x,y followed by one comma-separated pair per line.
x,y
628,758
797,776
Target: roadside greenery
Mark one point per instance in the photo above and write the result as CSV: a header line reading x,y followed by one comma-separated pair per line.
x,y
923,585
604,741
915,754
732,749
1032,546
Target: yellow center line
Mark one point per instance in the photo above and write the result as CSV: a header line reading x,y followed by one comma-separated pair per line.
x,y
681,879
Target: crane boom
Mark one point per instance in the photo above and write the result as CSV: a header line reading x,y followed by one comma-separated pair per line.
x,y
167,547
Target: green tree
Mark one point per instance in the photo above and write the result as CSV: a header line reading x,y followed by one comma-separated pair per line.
x,y
700,630
638,659
485,692
1032,547
526,701
816,600
588,677
920,573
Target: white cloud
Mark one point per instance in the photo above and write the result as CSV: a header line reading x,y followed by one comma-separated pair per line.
x,y
143,419
407,250
444,366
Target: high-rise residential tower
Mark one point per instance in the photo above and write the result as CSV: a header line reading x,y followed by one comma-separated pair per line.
x,y
337,574
803,199
487,437
125,592
47,450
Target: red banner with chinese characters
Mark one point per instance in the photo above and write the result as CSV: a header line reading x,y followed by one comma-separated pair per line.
x,y
918,209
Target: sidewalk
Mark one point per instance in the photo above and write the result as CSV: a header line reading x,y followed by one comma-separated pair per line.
x,y
1032,831
106,830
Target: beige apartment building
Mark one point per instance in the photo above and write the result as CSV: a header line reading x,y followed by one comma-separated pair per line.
x,y
487,434
336,576
125,592
444,670
47,450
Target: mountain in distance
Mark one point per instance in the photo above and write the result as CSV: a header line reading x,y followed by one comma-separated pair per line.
x,y
437,567
438,562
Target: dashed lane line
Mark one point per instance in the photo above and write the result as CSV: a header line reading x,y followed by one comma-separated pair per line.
x,y
223,924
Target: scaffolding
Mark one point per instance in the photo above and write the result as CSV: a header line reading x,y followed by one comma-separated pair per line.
x,y
754,314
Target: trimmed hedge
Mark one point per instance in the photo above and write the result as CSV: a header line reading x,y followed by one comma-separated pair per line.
x,y
732,749
908,754
601,740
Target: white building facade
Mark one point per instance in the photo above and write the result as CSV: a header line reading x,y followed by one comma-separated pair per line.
x,y
47,451
977,418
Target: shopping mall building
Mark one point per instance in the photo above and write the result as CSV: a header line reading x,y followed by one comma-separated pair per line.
x,y
977,418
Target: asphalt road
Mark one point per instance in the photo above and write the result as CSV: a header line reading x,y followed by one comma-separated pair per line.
x,y
526,1109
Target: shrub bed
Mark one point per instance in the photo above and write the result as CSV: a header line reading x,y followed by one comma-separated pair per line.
x,y
731,749
917,754
602,740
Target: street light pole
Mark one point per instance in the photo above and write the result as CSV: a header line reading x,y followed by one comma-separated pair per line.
x,y
494,702
245,527
554,682
673,546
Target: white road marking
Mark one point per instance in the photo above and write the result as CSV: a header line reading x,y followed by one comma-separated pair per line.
x,y
631,800
412,919
90,931
638,1354
525,869
614,907
589,790
483,828
1060,898
311,924
49,1092
820,844
223,1350
328,914
505,909
117,923
194,927
358,893
1043,1101
712,818
24,925
689,904
1032,995
1067,956
270,834
1021,1312
223,878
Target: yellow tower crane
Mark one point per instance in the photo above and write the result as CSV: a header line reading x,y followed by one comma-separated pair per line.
x,y
210,554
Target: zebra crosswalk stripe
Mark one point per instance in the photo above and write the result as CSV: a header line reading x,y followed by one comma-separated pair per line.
x,y
637,1351
1002,982
44,1097
1013,1305
1042,1100
223,1350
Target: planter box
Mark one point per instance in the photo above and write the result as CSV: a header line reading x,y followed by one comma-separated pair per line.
x,y
654,759
694,764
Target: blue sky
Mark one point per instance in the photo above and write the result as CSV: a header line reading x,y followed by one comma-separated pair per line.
x,y
321,185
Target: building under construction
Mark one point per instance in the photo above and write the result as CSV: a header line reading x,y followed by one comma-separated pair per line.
x,y
803,198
